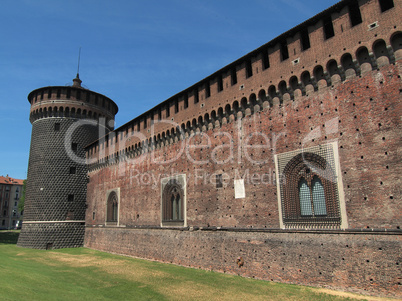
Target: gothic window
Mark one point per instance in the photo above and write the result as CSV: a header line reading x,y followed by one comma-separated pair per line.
x,y
112,208
312,198
309,193
305,198
173,203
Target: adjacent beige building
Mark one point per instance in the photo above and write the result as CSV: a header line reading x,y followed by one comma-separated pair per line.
x,y
10,194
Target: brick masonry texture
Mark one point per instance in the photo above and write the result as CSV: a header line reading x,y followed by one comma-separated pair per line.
x,y
370,173
358,263
343,91
57,173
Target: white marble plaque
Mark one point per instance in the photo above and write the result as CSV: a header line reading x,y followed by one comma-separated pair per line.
x,y
240,192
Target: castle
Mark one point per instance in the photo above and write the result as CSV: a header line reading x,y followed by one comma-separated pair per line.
x,y
283,165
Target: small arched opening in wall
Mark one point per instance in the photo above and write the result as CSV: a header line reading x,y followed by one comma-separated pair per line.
x,y
272,94
320,76
363,58
396,44
243,103
206,117
282,87
332,68
252,99
180,131
220,113
306,82
294,83
348,65
381,52
228,110
213,115
262,96
236,106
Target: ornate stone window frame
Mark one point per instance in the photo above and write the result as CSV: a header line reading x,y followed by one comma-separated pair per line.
x,y
173,190
112,219
322,162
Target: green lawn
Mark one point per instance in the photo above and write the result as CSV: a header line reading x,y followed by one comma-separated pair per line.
x,y
84,274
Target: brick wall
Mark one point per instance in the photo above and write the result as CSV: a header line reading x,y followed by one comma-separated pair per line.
x,y
344,90
361,114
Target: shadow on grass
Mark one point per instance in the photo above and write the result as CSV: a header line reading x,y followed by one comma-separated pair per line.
x,y
9,237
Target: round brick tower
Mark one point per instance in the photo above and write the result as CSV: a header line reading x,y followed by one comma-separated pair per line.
x,y
64,120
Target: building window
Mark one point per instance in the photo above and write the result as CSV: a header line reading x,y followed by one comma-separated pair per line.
x,y
73,169
265,59
176,106
173,201
234,76
70,197
354,14
112,207
196,97
305,39
312,197
386,5
57,126
74,147
328,28
284,51
220,83
249,69
207,90
310,191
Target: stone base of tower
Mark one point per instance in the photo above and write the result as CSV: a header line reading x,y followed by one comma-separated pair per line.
x,y
52,235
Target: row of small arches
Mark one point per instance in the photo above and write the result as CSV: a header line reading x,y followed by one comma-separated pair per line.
x,y
273,95
364,61
64,112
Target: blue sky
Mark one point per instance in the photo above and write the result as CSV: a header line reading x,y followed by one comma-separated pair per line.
x,y
138,53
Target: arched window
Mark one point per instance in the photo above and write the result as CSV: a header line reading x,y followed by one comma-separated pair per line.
x,y
308,188
112,208
305,198
318,197
312,200
173,201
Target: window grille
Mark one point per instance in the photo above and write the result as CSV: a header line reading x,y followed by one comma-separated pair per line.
x,y
308,185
